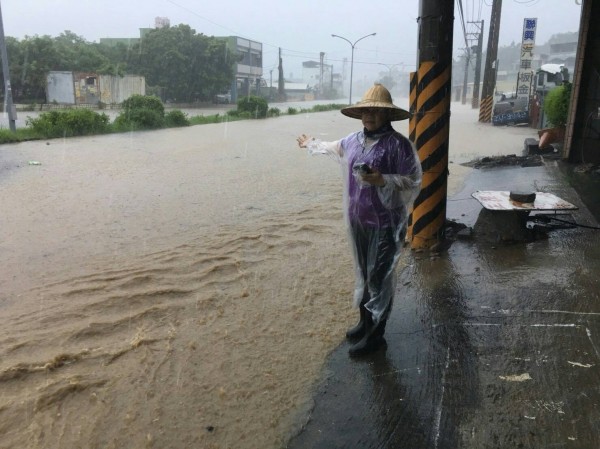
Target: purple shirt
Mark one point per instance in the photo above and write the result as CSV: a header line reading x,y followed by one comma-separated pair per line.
x,y
391,154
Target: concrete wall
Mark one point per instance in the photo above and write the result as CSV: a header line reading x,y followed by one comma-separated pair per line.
x,y
90,88
116,89
60,88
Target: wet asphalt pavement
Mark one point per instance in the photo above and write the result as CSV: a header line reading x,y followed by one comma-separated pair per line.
x,y
490,345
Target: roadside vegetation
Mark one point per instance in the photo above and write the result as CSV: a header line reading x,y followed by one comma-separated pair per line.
x,y
556,104
178,64
139,113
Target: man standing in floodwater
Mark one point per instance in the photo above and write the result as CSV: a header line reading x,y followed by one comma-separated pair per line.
x,y
382,177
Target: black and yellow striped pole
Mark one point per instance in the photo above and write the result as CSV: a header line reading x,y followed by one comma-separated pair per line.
x,y
485,109
412,130
433,123
412,98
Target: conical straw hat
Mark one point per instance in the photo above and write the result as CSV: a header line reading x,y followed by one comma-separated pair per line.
x,y
376,97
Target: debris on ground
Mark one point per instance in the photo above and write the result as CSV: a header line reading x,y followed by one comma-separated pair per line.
x,y
587,168
534,160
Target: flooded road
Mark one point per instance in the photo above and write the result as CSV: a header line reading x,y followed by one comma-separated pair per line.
x,y
183,288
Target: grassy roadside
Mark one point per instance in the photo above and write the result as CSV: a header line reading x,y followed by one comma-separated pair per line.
x,y
21,135
70,123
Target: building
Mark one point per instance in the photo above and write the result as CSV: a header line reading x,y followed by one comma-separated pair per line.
x,y
295,91
159,22
247,56
320,79
316,74
562,53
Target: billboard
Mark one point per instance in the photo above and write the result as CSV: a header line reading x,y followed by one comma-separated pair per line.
x,y
525,76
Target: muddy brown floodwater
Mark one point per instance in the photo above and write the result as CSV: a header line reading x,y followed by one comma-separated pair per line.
x,y
170,289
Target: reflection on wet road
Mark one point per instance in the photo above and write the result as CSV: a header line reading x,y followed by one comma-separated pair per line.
x,y
490,346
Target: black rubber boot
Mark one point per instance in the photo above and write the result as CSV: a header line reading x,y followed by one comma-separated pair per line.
x,y
358,331
381,328
372,339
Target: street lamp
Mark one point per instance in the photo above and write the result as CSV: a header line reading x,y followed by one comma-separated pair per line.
x,y
352,60
390,67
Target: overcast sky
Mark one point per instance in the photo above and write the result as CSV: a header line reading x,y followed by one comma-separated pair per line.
x,y
301,28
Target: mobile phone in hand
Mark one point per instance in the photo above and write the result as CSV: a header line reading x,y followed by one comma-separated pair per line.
x,y
362,168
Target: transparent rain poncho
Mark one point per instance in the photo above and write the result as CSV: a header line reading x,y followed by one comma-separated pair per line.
x,y
376,217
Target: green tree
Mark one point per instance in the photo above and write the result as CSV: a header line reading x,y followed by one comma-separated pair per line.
x,y
13,49
140,112
556,104
33,57
218,71
177,62
76,54
256,107
118,59
30,64
187,66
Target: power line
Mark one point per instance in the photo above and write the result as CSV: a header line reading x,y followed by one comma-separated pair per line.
x,y
288,52
525,2
234,32
462,21
202,17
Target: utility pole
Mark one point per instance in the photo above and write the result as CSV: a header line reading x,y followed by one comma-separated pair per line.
x,y
321,55
466,78
8,102
331,76
475,99
434,91
280,84
489,75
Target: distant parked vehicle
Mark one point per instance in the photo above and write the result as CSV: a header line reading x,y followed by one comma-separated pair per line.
x,y
222,98
510,111
514,104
